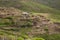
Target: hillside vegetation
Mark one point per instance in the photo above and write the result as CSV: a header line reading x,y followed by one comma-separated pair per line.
x,y
29,20
14,22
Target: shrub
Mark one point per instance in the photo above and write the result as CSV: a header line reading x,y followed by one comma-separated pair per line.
x,y
38,39
20,38
23,23
9,18
25,36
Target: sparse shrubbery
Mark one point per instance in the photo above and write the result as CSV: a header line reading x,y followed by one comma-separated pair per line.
x,y
27,25
24,23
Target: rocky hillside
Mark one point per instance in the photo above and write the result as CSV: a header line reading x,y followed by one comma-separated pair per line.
x,y
39,24
29,20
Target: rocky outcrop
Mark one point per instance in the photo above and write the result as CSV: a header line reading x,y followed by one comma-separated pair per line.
x,y
8,12
43,25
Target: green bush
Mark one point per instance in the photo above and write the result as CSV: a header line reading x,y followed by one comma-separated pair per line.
x,y
25,36
20,38
24,23
38,39
10,18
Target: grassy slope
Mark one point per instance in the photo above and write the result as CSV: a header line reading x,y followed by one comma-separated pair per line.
x,y
28,6
51,3
40,8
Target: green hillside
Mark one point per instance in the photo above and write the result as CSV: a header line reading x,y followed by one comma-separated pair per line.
x,y
42,24
51,3
28,6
